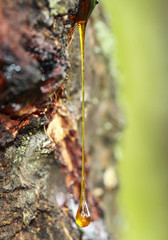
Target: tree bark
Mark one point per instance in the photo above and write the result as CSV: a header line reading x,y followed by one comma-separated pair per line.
x,y
40,117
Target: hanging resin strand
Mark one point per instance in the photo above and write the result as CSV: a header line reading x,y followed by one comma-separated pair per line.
x,y
83,218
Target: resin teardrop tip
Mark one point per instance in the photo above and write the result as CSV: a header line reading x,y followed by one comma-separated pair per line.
x,y
83,217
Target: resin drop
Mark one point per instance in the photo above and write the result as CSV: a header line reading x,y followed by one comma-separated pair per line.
x,y
83,218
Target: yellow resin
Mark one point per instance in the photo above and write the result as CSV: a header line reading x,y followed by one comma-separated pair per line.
x,y
83,218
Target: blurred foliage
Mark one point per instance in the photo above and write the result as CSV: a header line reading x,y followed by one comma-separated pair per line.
x,y
141,34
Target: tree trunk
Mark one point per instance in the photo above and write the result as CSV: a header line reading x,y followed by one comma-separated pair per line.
x,y
40,122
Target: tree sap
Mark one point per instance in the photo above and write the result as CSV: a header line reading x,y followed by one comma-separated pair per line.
x,y
83,217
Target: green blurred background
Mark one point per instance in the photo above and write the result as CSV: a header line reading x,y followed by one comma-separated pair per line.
x,y
140,29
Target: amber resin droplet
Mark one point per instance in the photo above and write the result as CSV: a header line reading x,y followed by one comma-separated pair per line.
x,y
83,218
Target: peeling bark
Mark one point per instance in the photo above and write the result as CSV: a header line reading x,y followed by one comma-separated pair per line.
x,y
40,113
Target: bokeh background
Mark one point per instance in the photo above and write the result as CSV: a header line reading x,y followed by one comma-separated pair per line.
x,y
140,31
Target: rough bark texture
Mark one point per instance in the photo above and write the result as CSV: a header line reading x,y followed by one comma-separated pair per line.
x,y
40,116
